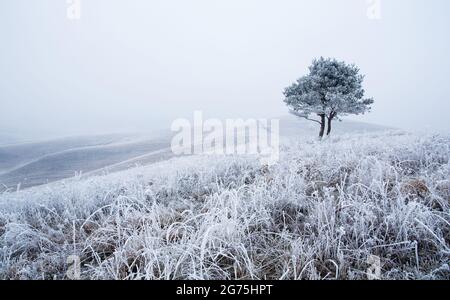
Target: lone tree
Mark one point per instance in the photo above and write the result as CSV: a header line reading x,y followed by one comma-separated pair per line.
x,y
332,89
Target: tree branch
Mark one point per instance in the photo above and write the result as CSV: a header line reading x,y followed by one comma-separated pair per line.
x,y
312,120
304,117
332,115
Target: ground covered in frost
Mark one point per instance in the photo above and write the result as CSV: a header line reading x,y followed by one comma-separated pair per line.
x,y
323,212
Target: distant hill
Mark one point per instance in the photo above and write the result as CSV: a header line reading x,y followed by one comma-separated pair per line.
x,y
36,163
41,162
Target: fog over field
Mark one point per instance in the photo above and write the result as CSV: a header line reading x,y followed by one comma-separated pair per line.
x,y
138,66
232,140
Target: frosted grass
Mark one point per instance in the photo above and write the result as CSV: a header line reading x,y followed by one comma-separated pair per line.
x,y
318,214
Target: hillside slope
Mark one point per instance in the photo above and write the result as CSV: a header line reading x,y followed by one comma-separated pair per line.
x,y
37,163
30,164
320,213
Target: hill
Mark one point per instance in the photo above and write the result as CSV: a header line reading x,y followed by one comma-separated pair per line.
x,y
31,164
36,163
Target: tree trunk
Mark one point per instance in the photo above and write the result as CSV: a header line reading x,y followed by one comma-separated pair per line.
x,y
330,120
322,125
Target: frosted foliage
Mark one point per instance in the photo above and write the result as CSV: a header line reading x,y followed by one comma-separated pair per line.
x,y
318,214
331,88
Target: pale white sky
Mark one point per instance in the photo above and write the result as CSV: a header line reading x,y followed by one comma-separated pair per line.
x,y
137,65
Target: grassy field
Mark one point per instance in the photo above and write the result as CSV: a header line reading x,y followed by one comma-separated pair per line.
x,y
321,213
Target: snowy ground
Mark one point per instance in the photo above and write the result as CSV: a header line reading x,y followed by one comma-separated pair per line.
x,y
320,213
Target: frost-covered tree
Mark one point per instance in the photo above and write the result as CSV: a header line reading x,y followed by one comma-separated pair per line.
x,y
332,89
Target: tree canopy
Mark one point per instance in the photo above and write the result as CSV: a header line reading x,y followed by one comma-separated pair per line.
x,y
332,89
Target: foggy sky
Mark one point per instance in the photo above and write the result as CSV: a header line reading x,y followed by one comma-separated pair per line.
x,y
139,64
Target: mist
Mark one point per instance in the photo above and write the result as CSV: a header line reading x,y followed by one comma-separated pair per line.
x,y
138,65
